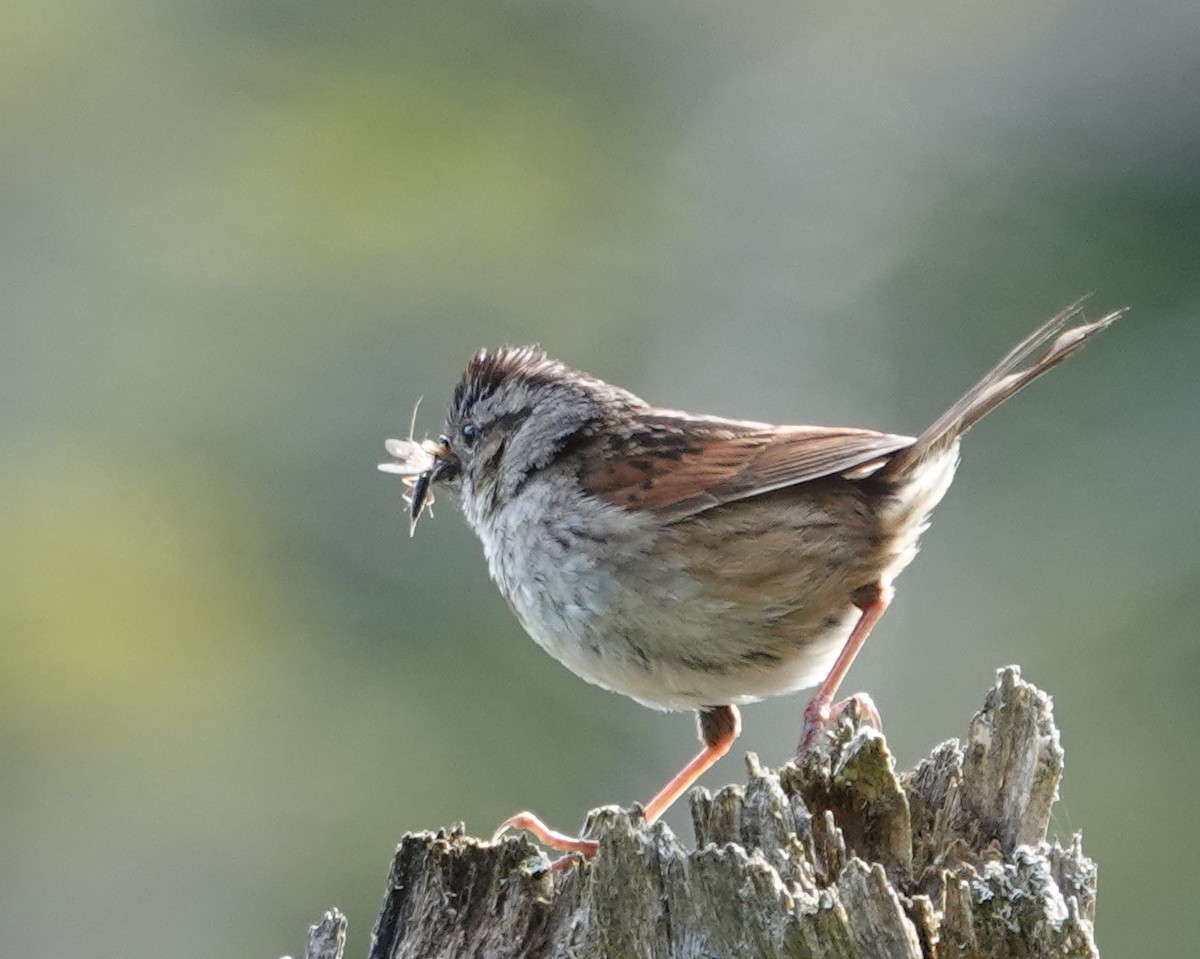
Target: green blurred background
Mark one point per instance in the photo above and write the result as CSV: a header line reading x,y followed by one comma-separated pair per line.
x,y
241,237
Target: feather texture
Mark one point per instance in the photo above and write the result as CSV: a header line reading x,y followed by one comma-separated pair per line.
x,y
678,465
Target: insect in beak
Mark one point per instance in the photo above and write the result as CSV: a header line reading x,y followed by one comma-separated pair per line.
x,y
420,465
417,498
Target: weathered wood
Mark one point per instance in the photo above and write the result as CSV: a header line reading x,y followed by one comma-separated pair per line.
x,y
839,858
327,939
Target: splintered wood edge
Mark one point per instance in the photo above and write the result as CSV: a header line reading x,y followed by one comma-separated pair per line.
x,y
823,860
327,939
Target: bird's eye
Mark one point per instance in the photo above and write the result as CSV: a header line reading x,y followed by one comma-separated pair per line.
x,y
470,434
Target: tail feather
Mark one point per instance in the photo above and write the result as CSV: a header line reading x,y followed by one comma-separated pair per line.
x,y
1001,382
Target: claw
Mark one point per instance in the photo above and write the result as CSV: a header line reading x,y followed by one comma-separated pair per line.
x,y
866,708
549,837
818,716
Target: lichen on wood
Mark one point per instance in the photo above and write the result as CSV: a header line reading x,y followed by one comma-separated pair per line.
x,y
837,858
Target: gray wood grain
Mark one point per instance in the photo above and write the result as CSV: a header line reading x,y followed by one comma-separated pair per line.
x,y
839,858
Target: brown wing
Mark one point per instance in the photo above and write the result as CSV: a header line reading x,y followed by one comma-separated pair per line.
x,y
678,465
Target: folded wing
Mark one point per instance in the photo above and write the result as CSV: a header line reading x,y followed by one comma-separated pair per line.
x,y
679,466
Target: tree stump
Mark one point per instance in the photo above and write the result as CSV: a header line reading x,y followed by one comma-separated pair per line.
x,y
838,858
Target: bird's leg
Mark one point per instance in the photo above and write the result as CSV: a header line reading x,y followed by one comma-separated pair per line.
x,y
719,727
872,601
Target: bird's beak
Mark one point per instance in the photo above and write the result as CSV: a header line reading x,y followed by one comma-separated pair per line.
x,y
445,463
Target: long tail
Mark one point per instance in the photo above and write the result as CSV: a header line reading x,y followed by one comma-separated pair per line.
x,y
1001,382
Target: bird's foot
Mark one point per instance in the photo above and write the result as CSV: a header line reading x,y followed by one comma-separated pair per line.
x,y
549,837
818,714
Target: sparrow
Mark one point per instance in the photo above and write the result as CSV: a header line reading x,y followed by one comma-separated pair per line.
x,y
694,562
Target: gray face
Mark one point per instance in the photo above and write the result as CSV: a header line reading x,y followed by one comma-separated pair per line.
x,y
512,414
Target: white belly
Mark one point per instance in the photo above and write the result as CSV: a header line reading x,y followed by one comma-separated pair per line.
x,y
593,595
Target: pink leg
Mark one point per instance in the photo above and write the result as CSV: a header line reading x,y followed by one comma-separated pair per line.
x,y
549,837
719,727
817,713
